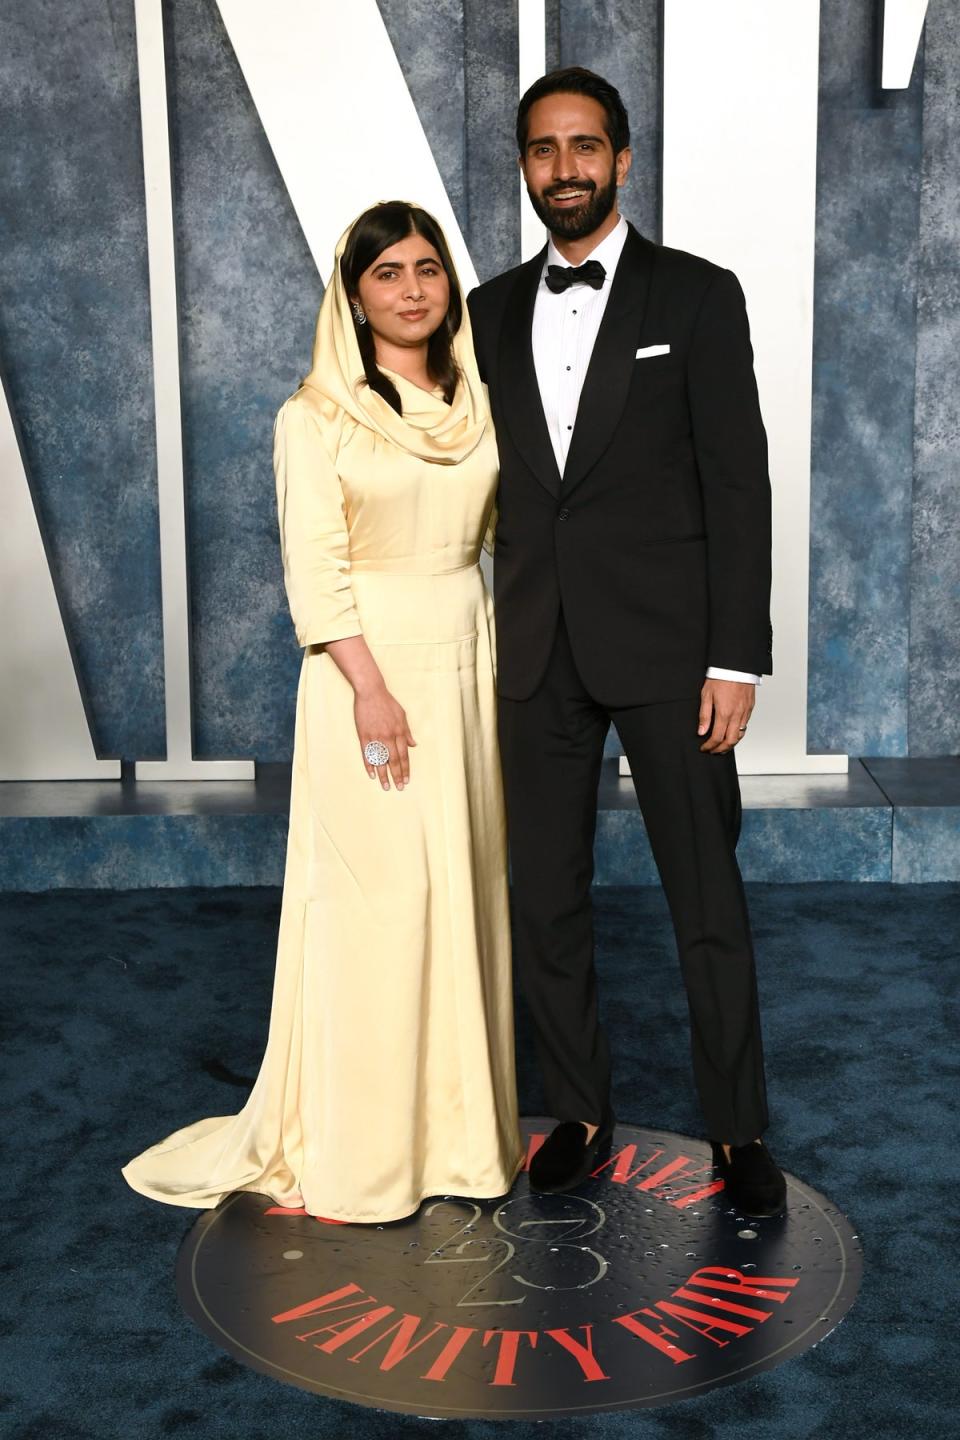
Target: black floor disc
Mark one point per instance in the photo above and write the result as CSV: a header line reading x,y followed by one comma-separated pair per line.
x,y
640,1288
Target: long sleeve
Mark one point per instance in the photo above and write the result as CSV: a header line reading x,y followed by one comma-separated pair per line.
x,y
731,450
313,530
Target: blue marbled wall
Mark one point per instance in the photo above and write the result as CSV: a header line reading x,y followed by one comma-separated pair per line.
x,y
934,711
74,341
868,206
249,294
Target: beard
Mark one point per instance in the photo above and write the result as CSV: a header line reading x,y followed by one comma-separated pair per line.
x,y
580,220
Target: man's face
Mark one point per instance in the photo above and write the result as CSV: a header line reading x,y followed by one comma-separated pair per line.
x,y
571,171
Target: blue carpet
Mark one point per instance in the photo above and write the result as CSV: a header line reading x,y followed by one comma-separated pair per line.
x,y
127,1015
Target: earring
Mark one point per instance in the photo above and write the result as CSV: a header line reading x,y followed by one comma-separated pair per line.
x,y
359,314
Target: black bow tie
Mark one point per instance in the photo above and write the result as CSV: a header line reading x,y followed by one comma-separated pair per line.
x,y
561,277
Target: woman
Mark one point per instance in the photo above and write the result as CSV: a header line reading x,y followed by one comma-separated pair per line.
x,y
389,1072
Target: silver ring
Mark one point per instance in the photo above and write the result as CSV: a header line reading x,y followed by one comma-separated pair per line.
x,y
376,753
743,729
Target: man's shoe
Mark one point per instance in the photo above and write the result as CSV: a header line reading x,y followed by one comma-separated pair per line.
x,y
566,1157
751,1180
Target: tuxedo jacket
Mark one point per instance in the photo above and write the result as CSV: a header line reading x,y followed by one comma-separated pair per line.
x,y
655,542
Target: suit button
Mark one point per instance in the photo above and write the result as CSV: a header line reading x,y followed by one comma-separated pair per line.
x,y
563,513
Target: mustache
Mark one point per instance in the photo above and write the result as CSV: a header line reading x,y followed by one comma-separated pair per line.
x,y
588,185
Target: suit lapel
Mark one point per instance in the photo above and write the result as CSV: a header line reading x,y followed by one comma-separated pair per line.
x,y
522,405
609,373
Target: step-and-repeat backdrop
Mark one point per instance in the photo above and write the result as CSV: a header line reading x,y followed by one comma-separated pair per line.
x,y
175,177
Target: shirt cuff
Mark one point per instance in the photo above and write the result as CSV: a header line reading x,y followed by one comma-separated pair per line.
x,y
714,672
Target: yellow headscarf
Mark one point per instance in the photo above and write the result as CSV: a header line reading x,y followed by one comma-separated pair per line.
x,y
446,433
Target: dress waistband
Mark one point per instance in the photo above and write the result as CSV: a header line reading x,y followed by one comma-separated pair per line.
x,y
403,567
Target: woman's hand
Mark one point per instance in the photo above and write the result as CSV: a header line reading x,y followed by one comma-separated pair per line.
x,y
380,717
377,715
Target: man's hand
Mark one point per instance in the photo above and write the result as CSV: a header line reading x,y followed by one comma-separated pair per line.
x,y
725,710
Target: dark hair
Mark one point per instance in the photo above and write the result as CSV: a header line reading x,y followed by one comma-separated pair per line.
x,y
376,230
575,80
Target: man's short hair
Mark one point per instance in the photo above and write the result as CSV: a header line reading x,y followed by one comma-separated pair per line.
x,y
575,80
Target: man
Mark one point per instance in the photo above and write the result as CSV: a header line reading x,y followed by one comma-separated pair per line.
x,y
632,582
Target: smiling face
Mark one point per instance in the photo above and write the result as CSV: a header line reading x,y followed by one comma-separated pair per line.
x,y
571,171
405,293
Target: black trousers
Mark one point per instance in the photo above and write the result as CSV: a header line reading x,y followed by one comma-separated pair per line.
x,y
551,749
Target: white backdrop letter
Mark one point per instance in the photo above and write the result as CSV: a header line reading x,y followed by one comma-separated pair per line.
x,y
44,733
739,186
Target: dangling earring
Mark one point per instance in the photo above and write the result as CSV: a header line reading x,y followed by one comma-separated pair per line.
x,y
358,312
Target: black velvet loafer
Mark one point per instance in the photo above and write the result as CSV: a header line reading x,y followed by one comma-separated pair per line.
x,y
566,1157
751,1180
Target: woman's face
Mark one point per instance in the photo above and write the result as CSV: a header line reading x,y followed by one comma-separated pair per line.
x,y
405,293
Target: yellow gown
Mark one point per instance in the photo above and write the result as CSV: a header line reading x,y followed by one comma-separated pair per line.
x,y
388,1074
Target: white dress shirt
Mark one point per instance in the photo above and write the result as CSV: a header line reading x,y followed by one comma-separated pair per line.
x,y
565,328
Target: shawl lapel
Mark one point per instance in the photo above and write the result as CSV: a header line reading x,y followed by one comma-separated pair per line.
x,y
522,406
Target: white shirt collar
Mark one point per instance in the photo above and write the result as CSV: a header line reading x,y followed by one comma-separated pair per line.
x,y
608,252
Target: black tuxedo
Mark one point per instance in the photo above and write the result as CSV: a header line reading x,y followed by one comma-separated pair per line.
x,y
657,539
616,586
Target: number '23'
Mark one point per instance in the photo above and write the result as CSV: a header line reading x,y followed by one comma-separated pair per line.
x,y
559,1234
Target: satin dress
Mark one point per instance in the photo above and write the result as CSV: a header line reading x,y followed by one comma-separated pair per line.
x,y
389,1068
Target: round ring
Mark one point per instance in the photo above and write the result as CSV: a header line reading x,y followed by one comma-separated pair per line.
x,y
376,753
743,729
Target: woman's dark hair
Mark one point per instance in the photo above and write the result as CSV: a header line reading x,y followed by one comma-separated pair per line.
x,y
376,230
575,80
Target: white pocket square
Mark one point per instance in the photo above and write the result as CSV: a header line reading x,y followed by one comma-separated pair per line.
x,y
652,350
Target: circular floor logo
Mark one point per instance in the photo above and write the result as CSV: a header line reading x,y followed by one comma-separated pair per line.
x,y
640,1288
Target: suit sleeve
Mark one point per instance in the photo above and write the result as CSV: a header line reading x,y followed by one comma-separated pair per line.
x,y
474,305
731,451
313,530
490,534
476,324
